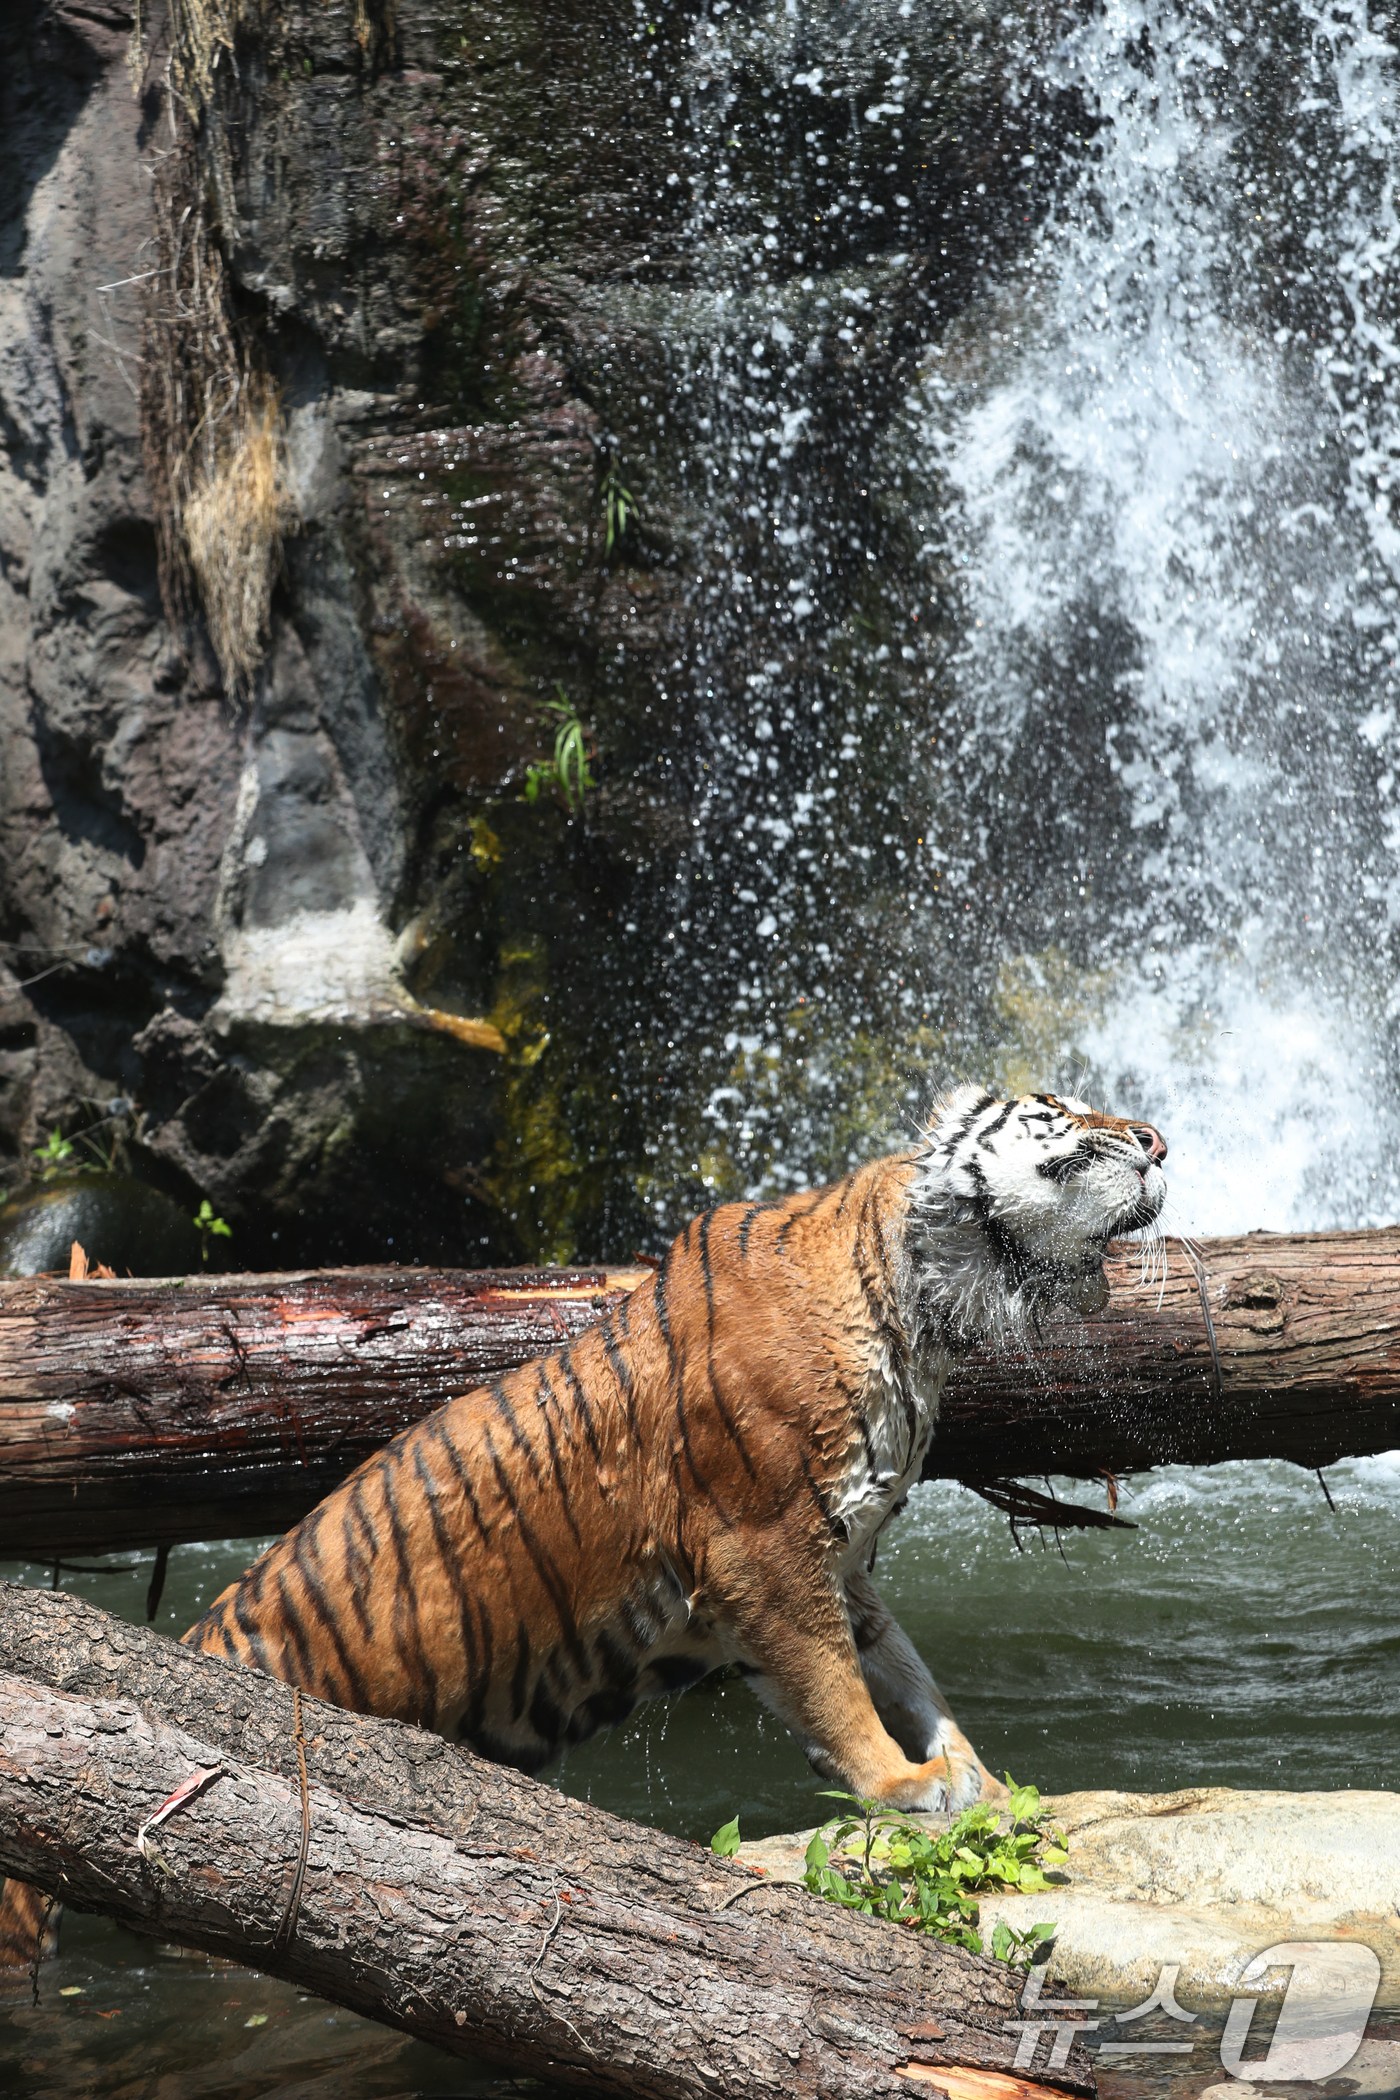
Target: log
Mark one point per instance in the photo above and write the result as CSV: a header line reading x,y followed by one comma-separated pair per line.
x,y
459,1901
139,1413
144,1414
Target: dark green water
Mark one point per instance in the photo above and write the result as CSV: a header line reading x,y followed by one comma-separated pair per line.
x,y
1244,1635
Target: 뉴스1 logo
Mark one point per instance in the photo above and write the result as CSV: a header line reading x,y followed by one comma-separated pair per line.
x,y
1331,1989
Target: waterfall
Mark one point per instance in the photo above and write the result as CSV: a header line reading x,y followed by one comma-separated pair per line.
x,y
1171,523
1144,827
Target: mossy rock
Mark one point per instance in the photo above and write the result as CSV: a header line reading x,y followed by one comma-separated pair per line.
x,y
115,1219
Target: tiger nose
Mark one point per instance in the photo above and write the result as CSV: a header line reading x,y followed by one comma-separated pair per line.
x,y
1152,1141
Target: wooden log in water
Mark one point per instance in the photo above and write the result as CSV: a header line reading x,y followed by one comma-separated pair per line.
x,y
143,1414
457,1900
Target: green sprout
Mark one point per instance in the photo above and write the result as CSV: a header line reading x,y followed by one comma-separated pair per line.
x,y
54,1156
620,507
568,771
726,1840
210,1227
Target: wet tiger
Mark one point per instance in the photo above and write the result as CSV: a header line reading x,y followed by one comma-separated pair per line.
x,y
701,1478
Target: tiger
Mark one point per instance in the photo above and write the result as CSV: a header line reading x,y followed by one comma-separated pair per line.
x,y
701,1478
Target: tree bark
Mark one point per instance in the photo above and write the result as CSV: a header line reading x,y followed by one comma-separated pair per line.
x,y
455,1899
140,1414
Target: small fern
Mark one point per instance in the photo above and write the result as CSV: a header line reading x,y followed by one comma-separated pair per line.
x,y
568,772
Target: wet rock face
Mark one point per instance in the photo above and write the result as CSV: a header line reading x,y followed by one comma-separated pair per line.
x,y
568,308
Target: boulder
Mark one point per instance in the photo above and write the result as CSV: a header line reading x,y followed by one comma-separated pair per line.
x,y
1205,1878
116,1219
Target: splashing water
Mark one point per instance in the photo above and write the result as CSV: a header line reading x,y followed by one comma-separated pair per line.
x,y
1135,825
1171,529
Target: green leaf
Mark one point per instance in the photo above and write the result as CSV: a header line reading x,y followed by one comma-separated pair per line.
x,y
726,1839
818,1853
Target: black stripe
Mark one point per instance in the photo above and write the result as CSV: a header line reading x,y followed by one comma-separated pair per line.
x,y
476,1706
716,1395
707,1271
984,1137
834,1524
701,1480
308,1565
545,1565
1062,1170
251,1633
795,1217
438,1429
580,1398
358,1562
618,1664
980,1108
292,1622
546,1718
522,1443
449,1556
408,1643
565,1499
659,1291
746,1226
642,1620
621,1372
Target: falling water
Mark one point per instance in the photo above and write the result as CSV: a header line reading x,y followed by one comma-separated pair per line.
x,y
1172,529
1120,807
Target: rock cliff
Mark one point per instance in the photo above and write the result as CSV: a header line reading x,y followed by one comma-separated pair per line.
x,y
554,316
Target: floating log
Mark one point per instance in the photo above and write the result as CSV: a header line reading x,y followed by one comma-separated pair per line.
x,y
144,1414
456,1900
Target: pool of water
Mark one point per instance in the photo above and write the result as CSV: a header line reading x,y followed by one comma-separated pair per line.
x,y
1243,1635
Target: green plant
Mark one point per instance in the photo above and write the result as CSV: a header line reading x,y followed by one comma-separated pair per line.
x,y
726,1839
209,1226
929,1879
53,1157
568,770
619,509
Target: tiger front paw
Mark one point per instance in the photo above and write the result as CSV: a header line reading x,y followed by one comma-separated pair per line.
x,y
940,1786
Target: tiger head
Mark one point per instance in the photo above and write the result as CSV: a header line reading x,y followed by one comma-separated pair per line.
x,y
1016,1201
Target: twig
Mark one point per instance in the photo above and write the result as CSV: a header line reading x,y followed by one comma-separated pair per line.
x,y
553,1926
769,1881
283,1935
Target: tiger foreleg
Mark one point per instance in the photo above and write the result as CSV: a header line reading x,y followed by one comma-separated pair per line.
x,y
908,1702
796,1648
29,1922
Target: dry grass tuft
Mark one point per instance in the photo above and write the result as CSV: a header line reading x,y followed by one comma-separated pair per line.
x,y
234,513
212,434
